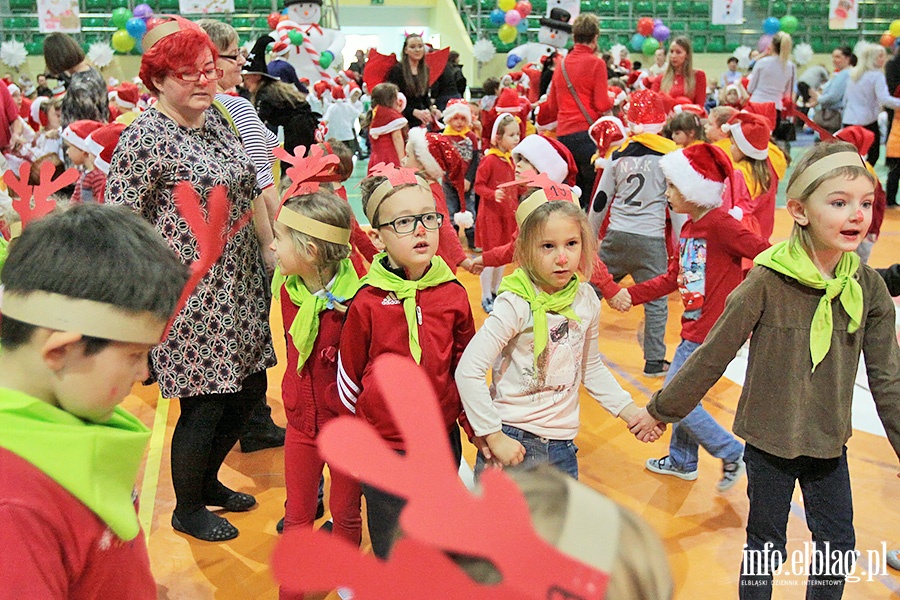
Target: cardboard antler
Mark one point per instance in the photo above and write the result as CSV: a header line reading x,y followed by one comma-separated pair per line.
x,y
440,511
306,173
41,193
212,234
553,189
394,174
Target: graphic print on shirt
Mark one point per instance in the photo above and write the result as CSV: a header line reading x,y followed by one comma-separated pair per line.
x,y
559,363
692,275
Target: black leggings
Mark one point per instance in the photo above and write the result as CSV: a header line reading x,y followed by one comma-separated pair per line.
x,y
207,429
893,180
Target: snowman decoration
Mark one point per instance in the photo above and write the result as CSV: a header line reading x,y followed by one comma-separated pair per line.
x,y
553,36
320,47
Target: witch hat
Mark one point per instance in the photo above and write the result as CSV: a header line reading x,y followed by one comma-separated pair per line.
x,y
256,61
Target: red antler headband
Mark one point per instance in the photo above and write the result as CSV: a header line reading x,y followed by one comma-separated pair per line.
x,y
550,191
441,516
40,193
394,178
306,174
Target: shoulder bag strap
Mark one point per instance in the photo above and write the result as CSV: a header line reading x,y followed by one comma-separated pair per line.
x,y
587,117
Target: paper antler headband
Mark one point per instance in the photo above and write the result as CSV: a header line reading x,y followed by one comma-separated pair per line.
x,y
107,321
394,178
306,174
34,202
549,191
441,516
821,167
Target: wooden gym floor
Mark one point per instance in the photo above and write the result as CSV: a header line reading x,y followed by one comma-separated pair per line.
x,y
703,530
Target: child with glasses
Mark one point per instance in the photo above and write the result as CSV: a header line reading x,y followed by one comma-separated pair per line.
x,y
410,304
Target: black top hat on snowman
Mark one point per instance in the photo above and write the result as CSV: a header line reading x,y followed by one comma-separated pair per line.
x,y
289,2
558,19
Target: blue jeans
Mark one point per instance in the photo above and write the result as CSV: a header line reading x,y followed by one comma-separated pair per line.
x,y
699,428
825,483
538,450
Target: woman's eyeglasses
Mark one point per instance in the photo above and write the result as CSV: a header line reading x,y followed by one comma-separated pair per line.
x,y
210,75
232,57
408,224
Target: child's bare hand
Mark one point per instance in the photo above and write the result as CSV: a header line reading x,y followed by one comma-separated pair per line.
x,y
500,195
467,185
621,301
645,428
469,265
479,442
505,450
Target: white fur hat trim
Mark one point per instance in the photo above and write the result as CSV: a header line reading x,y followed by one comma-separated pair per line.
x,y
418,143
695,188
540,153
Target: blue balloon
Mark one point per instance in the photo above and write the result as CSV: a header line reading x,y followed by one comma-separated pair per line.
x,y
522,27
637,42
498,17
136,27
771,25
284,11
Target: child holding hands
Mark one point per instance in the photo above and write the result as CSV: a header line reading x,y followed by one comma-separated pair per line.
x,y
812,308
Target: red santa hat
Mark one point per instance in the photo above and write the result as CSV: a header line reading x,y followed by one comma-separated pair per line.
x,y
616,95
337,92
548,156
646,112
859,136
438,157
750,133
691,108
320,88
280,48
102,143
699,172
765,110
77,133
458,106
607,133
495,130
37,115
507,101
127,95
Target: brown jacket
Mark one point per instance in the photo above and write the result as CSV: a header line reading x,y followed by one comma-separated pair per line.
x,y
785,409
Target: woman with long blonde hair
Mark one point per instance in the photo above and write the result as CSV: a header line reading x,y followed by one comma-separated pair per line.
x,y
866,93
681,80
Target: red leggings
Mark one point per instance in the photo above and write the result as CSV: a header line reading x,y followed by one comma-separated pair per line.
x,y
302,470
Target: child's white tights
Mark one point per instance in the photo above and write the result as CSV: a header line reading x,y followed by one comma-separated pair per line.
x,y
490,281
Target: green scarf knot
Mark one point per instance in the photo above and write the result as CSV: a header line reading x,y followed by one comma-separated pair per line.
x,y
792,260
305,328
520,284
380,277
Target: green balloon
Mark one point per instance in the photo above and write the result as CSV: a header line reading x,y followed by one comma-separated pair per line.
x,y
120,17
789,23
650,45
295,36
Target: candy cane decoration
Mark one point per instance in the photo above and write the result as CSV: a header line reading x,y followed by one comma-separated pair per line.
x,y
307,46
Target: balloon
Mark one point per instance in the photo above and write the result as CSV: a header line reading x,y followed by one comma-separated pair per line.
x,y
764,42
645,26
295,36
650,45
637,42
661,33
789,23
121,41
498,17
506,5
887,40
507,33
153,22
524,8
325,59
272,19
512,18
143,11
771,25
120,17
522,27
895,28
657,22
136,27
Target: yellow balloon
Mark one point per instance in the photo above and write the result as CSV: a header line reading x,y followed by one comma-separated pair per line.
x,y
122,41
895,28
506,5
507,33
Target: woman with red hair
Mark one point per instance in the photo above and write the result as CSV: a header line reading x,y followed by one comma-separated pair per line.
x,y
219,347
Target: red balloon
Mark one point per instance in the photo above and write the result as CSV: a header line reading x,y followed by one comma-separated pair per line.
x,y
887,40
273,19
645,26
523,7
153,22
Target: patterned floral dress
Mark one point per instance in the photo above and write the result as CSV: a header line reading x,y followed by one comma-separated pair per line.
x,y
222,335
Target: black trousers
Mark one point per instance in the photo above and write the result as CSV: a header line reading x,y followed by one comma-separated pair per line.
x,y
207,429
582,148
875,151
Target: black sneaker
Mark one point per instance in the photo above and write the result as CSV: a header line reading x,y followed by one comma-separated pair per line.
x,y
320,512
656,368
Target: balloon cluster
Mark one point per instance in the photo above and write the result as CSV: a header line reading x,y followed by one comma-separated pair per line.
x,y
772,25
650,34
889,37
511,17
131,26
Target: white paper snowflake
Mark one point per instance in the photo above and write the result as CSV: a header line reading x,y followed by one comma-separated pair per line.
x,y
101,54
742,53
803,53
484,50
13,53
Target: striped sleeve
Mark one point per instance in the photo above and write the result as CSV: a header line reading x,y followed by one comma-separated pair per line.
x,y
258,140
353,355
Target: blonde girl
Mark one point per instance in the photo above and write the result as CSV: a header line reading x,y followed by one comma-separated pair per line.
x,y
541,340
812,309
867,92
314,280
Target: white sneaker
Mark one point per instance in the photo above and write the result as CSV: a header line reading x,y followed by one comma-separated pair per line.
x,y
664,466
731,472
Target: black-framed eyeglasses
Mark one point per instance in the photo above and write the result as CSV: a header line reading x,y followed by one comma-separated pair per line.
x,y
232,57
408,223
213,74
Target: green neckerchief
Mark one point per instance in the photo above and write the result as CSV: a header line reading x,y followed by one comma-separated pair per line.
x,y
305,327
792,260
4,251
96,463
520,284
380,277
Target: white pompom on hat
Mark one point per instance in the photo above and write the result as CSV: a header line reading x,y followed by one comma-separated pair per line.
x,y
699,172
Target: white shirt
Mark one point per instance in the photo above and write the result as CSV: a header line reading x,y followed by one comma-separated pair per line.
x,y
771,80
340,118
864,98
545,403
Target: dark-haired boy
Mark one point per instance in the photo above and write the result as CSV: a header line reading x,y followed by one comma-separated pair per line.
x,y
87,294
